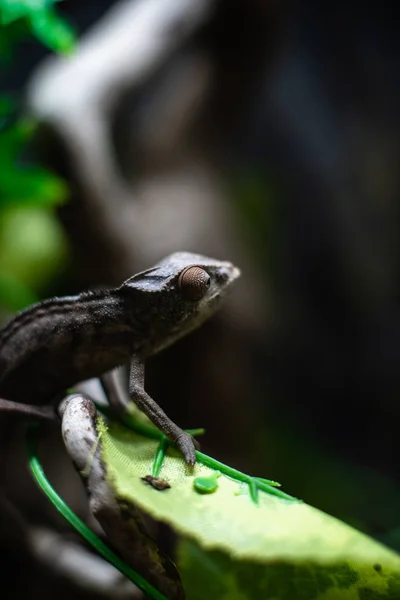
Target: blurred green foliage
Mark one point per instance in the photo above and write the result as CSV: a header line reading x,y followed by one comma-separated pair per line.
x,y
23,185
38,17
32,244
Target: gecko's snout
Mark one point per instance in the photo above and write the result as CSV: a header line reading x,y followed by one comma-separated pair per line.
x,y
227,273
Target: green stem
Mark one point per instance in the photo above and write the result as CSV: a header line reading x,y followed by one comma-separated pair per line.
x,y
159,457
207,461
253,490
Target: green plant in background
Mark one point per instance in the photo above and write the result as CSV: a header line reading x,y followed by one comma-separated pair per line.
x,y
20,18
32,244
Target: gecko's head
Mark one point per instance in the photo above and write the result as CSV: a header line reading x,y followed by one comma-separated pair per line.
x,y
176,296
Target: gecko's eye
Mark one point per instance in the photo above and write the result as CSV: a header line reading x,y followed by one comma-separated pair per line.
x,y
194,282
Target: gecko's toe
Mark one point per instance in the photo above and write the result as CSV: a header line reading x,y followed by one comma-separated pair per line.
x,y
191,459
186,445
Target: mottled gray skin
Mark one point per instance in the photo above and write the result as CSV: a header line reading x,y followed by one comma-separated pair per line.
x,y
55,344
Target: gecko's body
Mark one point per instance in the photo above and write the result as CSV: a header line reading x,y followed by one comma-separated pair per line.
x,y
59,342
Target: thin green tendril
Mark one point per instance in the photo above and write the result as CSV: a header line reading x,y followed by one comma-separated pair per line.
x,y
159,457
253,489
81,528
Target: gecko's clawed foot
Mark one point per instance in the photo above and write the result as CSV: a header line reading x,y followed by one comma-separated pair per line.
x,y
187,445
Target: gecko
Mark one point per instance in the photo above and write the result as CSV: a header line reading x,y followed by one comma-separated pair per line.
x,y
57,343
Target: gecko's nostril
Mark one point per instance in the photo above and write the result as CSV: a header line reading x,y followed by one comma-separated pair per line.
x,y
222,275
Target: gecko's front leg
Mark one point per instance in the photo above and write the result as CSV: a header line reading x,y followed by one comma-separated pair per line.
x,y
183,440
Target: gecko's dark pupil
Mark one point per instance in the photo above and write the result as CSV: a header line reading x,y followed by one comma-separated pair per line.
x,y
194,282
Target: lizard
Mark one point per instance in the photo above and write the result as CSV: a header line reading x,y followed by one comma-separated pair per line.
x,y
56,343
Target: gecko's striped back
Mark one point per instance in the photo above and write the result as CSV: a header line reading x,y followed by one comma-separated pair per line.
x,y
56,343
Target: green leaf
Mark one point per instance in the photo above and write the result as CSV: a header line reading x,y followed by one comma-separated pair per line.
x,y
215,575
12,10
32,246
237,549
31,187
24,185
53,31
13,139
